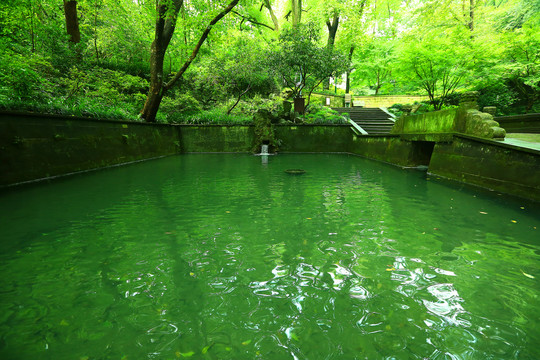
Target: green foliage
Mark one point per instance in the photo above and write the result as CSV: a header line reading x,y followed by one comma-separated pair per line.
x,y
273,104
438,62
108,85
426,46
217,116
301,63
181,103
374,63
319,114
25,78
499,95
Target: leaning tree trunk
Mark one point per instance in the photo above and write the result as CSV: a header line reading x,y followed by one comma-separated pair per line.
x,y
268,6
164,30
165,25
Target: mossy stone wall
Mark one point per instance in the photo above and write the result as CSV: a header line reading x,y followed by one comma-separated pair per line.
x,y
489,164
526,123
216,138
429,123
37,146
313,138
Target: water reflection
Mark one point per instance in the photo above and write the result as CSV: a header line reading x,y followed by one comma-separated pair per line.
x,y
234,260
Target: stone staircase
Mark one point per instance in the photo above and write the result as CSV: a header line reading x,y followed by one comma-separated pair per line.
x,y
374,121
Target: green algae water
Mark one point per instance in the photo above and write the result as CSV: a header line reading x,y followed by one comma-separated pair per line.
x,y
229,257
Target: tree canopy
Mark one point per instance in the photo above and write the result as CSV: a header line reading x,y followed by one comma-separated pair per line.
x,y
121,58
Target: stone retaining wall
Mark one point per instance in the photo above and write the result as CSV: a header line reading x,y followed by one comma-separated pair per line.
x,y
526,123
35,147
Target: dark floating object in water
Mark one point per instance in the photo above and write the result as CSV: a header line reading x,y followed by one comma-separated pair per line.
x,y
295,171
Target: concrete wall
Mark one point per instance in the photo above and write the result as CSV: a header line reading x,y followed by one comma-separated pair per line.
x,y
389,100
37,146
215,138
373,101
429,123
526,123
489,164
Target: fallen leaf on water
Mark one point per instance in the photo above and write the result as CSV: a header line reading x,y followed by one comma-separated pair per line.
x,y
527,275
483,212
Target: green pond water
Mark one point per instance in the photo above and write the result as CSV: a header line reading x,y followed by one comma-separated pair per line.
x,y
225,257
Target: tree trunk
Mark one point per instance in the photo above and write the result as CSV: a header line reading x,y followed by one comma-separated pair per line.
x,y
348,74
32,36
72,22
268,6
332,26
296,6
165,24
238,100
471,15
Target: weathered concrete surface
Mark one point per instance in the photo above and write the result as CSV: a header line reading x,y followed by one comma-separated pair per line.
x,y
489,164
216,138
526,123
38,146
313,138
437,122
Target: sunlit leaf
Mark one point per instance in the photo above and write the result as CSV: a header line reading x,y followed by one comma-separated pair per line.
x,y
187,354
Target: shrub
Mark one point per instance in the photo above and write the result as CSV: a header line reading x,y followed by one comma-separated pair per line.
x,y
175,108
319,114
217,116
25,78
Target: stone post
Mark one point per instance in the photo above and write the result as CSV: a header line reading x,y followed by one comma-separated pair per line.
x,y
491,110
469,100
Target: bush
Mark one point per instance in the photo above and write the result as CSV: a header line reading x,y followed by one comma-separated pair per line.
x,y
25,78
174,109
110,86
499,95
217,116
319,114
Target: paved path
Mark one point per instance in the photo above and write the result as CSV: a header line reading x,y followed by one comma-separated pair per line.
x,y
530,141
